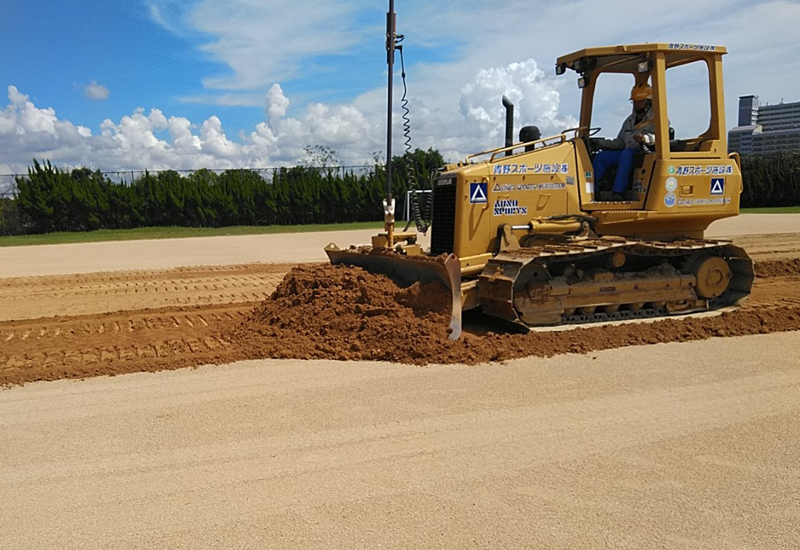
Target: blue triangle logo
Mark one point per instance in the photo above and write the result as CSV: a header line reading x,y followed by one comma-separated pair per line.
x,y
477,193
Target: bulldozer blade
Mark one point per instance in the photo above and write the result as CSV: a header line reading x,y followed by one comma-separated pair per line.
x,y
407,270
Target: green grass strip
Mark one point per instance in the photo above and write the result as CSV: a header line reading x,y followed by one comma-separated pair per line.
x,y
777,210
144,233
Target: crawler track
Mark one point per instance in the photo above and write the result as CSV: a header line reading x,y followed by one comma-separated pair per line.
x,y
552,282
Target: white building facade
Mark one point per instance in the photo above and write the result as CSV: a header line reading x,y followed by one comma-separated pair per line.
x,y
765,129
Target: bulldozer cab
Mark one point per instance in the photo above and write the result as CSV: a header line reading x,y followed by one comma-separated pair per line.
x,y
682,137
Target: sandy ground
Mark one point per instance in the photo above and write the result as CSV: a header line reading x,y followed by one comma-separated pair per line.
x,y
27,261
677,445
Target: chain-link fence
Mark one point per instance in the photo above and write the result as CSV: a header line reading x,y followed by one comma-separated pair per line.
x,y
8,183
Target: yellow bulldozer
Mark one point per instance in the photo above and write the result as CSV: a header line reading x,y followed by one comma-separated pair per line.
x,y
526,233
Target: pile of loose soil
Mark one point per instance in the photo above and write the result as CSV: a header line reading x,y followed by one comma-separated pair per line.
x,y
340,313
317,312
346,313
778,268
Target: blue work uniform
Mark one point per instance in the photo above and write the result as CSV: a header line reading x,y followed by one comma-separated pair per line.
x,y
620,150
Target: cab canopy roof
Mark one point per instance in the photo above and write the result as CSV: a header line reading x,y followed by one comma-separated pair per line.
x,y
626,58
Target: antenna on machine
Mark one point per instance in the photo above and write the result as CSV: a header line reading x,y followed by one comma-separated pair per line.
x,y
388,203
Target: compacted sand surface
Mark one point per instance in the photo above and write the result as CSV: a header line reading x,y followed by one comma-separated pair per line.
x,y
367,428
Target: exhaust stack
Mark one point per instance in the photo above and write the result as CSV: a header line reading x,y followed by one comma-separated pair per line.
x,y
509,123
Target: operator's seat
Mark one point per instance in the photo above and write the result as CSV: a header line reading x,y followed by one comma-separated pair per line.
x,y
605,184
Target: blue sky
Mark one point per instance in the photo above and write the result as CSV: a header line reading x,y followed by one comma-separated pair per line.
x,y
62,46
120,85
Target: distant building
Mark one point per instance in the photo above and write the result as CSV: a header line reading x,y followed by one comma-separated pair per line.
x,y
765,129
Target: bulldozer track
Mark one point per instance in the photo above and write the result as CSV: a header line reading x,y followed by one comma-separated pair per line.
x,y
593,292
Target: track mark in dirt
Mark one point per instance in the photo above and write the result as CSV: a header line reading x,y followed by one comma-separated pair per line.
x,y
134,341
334,312
34,297
775,246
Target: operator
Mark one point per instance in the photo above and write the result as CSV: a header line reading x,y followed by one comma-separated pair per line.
x,y
637,130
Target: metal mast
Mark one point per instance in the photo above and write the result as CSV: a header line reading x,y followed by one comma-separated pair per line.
x,y
388,204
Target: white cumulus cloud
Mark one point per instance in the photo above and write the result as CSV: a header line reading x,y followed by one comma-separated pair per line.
x,y
356,131
535,98
95,91
277,103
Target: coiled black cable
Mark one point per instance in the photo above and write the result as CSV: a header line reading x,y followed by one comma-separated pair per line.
x,y
422,223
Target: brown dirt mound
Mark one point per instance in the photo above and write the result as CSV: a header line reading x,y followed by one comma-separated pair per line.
x,y
778,268
338,312
344,313
328,312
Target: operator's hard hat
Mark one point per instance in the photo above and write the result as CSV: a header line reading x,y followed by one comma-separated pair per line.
x,y
641,91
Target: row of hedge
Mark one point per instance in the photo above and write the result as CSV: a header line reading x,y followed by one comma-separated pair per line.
x,y
771,180
50,199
